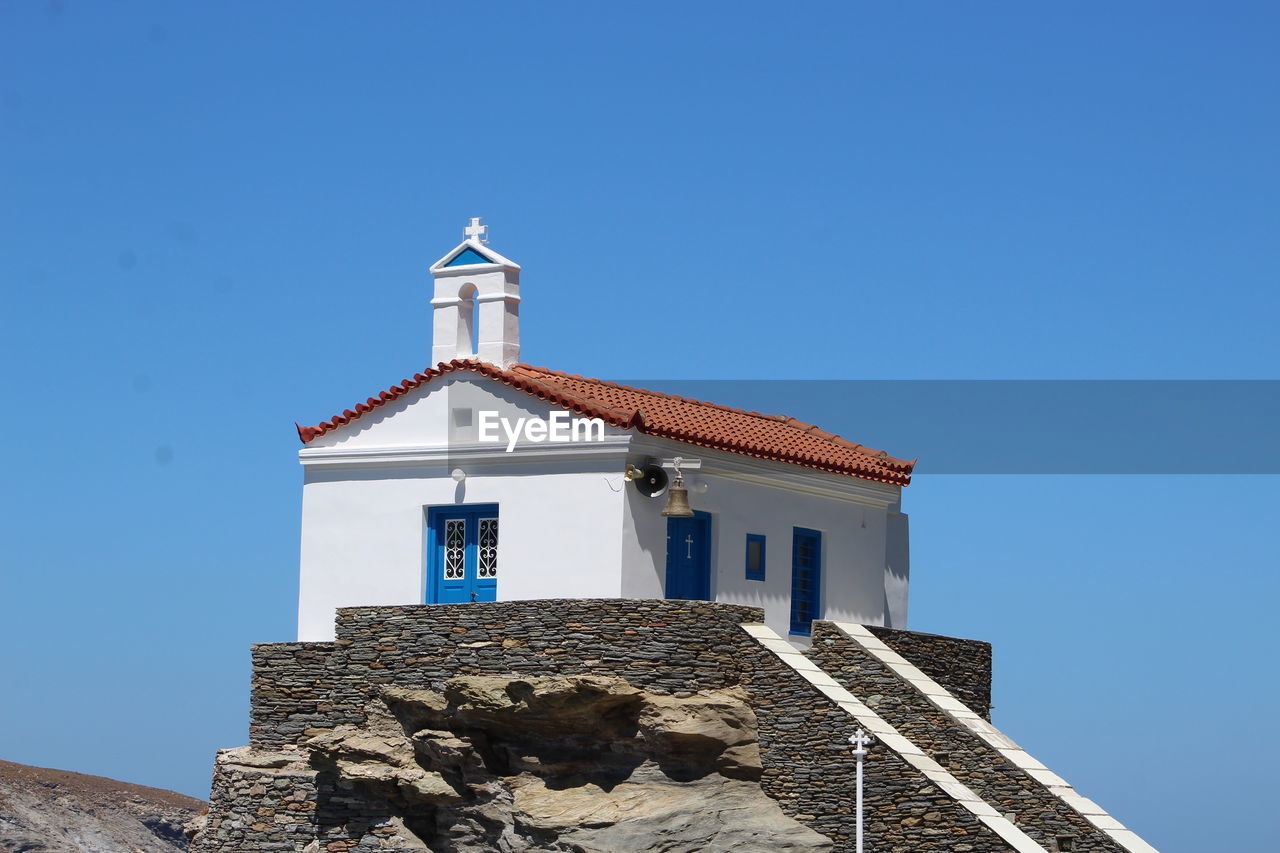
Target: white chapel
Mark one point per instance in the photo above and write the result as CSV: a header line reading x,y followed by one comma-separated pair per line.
x,y
484,478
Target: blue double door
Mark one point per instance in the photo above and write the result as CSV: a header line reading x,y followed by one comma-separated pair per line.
x,y
462,554
689,557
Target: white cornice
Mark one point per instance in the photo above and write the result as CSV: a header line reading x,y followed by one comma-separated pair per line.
x,y
612,446
441,301
777,475
715,463
468,269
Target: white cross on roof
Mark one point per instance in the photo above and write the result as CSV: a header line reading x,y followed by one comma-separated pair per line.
x,y
475,230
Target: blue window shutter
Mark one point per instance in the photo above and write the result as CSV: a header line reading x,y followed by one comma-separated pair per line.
x,y
755,557
806,579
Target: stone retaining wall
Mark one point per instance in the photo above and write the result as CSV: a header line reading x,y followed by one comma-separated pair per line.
x,y
1025,802
961,666
303,689
300,689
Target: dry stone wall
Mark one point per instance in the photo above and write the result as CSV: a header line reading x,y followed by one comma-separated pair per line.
x,y
1028,804
961,666
677,648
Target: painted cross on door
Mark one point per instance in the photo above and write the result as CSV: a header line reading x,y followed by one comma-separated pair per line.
x,y
462,554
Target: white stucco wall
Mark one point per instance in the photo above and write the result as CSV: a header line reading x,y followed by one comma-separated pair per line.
x,y
363,536
367,487
860,524
570,525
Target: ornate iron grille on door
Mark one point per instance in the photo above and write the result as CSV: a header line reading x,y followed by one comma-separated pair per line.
x,y
455,548
488,567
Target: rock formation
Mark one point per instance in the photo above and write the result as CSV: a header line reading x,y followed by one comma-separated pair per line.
x,y
54,811
559,763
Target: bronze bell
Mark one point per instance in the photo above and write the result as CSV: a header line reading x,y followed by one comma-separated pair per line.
x,y
678,500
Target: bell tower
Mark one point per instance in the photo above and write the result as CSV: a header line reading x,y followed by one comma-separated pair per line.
x,y
476,302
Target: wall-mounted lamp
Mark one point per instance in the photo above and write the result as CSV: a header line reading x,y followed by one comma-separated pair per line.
x,y
458,475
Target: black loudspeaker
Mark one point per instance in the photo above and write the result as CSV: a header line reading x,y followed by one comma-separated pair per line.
x,y
653,481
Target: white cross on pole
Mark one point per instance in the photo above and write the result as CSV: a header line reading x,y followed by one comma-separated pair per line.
x,y
860,741
475,230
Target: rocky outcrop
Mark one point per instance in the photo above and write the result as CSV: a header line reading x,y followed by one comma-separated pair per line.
x,y
504,763
55,811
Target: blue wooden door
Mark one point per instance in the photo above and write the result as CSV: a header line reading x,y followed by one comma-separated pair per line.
x,y
806,579
689,557
462,554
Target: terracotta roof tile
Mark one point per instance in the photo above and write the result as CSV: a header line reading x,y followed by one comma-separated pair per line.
x,y
684,419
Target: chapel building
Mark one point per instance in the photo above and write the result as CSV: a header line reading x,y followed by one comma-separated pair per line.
x,y
489,662
484,478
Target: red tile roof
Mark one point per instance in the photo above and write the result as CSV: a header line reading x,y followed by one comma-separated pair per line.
x,y
680,418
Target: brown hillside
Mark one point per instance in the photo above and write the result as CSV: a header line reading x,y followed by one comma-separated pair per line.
x,y
56,811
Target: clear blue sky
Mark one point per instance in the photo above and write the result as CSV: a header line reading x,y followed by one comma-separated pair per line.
x,y
215,219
